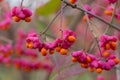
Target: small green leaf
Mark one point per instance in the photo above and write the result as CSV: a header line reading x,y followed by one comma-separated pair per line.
x,y
48,8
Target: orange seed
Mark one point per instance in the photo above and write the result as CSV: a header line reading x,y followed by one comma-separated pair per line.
x,y
58,49
74,59
71,38
116,60
107,46
63,51
89,59
29,45
105,54
28,19
84,65
16,19
44,51
98,70
84,18
108,12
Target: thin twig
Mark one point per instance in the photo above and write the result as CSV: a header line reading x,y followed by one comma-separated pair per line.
x,y
92,46
21,3
61,19
84,44
88,23
52,21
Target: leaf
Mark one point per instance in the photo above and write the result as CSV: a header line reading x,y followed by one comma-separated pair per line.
x,y
48,8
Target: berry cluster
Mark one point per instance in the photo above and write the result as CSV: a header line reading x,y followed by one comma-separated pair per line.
x,y
108,42
107,60
60,45
5,24
19,13
92,63
27,65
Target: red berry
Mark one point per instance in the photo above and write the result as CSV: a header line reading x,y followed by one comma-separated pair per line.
x,y
72,1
